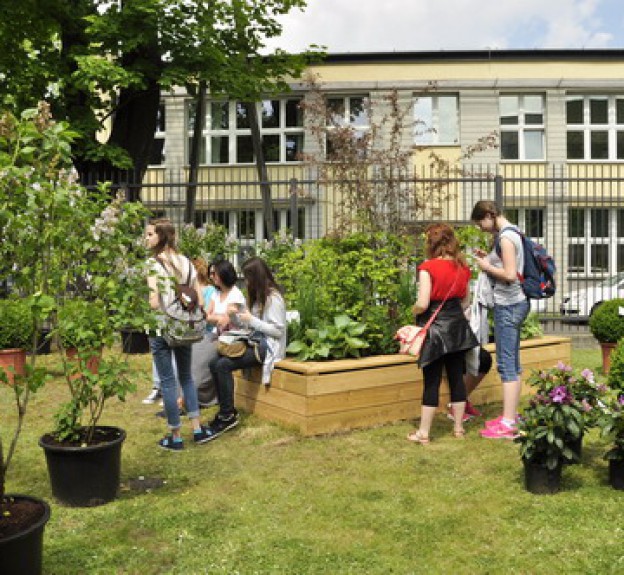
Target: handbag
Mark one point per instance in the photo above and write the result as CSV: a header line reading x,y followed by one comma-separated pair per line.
x,y
235,343
412,337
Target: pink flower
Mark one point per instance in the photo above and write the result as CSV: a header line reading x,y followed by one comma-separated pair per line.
x,y
588,374
560,394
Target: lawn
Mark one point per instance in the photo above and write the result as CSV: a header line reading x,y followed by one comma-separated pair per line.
x,y
264,500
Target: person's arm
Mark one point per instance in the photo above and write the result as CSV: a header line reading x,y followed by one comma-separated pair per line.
x,y
509,271
274,322
424,293
154,294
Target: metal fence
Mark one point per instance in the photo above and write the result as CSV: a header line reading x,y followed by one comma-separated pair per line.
x,y
576,211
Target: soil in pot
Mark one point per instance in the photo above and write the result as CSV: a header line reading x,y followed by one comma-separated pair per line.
x,y
541,480
85,475
616,473
22,522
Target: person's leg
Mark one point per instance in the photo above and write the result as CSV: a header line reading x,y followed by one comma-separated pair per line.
x,y
507,323
183,357
155,394
454,365
162,354
203,353
432,375
472,380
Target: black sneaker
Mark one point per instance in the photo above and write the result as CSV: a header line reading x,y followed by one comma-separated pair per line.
x,y
221,423
168,443
203,436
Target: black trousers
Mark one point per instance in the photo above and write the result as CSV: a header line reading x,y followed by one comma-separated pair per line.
x,y
432,373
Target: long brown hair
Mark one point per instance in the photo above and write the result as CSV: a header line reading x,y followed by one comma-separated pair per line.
x,y
260,282
442,242
165,230
485,208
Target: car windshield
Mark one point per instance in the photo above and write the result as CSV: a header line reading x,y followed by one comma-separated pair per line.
x,y
613,281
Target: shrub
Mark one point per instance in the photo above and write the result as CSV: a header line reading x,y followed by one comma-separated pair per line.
x,y
83,325
616,372
16,324
606,324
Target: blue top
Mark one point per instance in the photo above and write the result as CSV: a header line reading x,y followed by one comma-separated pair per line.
x,y
207,294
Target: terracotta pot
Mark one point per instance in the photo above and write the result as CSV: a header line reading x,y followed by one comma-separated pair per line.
x,y
606,348
15,359
93,363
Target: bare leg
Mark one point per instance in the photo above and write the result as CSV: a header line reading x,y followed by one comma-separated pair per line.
x,y
511,399
427,414
458,415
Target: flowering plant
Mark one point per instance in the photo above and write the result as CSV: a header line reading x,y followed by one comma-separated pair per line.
x,y
612,425
554,417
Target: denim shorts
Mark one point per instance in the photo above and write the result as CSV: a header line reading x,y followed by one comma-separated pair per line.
x,y
508,320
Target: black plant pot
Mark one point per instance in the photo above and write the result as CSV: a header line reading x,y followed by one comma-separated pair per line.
x,y
22,553
541,480
85,476
616,473
134,342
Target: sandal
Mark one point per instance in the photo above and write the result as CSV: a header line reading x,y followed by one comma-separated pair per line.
x,y
459,433
418,437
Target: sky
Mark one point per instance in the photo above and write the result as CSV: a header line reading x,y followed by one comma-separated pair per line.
x,y
420,25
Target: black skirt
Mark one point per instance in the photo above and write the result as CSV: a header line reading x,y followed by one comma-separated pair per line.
x,y
449,333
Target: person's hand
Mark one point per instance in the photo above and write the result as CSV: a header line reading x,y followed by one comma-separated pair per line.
x,y
245,316
232,308
223,321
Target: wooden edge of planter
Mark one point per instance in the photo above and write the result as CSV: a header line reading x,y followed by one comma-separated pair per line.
x,y
334,366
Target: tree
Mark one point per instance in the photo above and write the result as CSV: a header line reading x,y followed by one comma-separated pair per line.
x,y
100,60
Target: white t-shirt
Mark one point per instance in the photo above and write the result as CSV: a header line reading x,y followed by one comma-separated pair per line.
x,y
234,296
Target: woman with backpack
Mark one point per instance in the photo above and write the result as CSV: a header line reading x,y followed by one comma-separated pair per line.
x,y
166,268
265,315
510,309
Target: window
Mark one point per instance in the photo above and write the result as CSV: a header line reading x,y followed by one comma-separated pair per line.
x,y
157,151
529,220
590,233
436,120
342,112
227,138
522,127
595,127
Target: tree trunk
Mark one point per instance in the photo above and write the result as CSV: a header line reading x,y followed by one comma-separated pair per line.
x,y
198,129
263,176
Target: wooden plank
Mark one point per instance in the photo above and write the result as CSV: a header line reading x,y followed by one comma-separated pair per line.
x,y
334,366
271,412
292,402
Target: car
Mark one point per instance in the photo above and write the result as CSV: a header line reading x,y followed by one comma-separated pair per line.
x,y
583,302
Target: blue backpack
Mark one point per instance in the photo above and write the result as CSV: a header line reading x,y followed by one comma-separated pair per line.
x,y
538,276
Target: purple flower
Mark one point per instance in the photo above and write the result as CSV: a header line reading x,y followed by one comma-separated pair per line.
x,y
563,367
601,388
560,394
588,374
586,406
621,400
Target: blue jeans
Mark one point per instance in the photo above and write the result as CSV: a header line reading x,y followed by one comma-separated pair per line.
x,y
163,359
508,320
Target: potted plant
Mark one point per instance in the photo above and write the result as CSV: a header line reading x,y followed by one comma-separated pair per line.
x,y
612,425
16,334
607,326
32,161
546,427
83,456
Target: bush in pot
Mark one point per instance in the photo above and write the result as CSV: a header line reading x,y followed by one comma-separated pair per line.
x,y
612,426
547,426
17,328
607,326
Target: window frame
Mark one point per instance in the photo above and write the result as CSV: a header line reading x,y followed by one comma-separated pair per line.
x,y
423,132
522,128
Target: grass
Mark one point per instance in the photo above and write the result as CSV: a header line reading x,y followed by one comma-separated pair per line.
x,y
264,500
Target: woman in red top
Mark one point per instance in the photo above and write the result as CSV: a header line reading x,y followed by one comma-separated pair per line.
x,y
444,275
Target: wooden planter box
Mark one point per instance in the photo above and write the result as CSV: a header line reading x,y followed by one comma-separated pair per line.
x,y
329,396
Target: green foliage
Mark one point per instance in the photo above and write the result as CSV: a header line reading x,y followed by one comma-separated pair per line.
x,y
471,237
210,242
555,416
531,327
83,325
16,323
612,424
274,252
335,340
615,379
357,275
606,324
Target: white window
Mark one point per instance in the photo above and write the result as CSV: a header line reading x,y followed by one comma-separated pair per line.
x,y
591,233
436,120
157,152
529,220
227,134
351,112
595,127
522,127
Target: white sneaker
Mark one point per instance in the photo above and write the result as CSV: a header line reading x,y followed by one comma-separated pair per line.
x,y
152,397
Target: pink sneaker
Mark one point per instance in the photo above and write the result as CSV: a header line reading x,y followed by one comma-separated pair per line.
x,y
493,422
472,410
450,415
500,431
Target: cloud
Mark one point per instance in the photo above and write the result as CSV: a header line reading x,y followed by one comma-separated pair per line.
x,y
405,25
